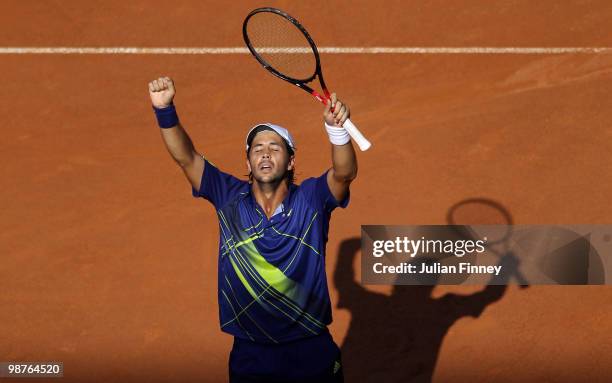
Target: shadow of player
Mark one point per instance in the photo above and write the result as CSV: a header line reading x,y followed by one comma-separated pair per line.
x,y
397,338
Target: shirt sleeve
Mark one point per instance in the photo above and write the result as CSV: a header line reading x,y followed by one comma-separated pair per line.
x,y
316,190
217,186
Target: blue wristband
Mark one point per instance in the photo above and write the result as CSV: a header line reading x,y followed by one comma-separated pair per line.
x,y
166,117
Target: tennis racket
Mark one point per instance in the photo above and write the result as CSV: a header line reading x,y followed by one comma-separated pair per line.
x,y
282,45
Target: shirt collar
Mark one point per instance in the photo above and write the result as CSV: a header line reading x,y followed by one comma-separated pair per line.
x,y
283,205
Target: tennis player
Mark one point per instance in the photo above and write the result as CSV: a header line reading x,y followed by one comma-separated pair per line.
x,y
272,287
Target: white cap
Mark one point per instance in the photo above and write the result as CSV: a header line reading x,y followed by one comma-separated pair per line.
x,y
284,133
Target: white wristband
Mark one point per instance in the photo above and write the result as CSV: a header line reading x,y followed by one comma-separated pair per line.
x,y
337,136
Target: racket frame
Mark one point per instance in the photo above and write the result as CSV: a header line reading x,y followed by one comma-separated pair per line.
x,y
300,83
324,98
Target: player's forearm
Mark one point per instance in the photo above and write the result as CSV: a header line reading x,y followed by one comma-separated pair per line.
x,y
179,145
177,141
344,162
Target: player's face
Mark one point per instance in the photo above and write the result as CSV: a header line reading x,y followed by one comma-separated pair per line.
x,y
269,161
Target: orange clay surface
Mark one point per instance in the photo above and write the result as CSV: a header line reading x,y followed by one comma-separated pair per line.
x,y
109,265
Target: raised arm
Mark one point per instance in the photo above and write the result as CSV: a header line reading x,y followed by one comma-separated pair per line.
x,y
177,141
344,160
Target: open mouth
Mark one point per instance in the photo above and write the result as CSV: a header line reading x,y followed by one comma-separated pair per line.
x,y
265,166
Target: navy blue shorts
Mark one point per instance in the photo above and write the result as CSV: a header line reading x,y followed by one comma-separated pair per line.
x,y
309,360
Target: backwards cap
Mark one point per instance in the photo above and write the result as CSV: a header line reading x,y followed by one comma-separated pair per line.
x,y
284,133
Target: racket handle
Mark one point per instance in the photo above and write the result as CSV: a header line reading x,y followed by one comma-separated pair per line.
x,y
356,135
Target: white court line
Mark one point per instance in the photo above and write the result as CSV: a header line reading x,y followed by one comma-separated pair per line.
x,y
328,50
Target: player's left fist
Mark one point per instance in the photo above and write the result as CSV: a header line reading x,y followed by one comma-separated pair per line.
x,y
335,112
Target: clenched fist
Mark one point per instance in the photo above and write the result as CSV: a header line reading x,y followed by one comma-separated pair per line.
x,y
162,92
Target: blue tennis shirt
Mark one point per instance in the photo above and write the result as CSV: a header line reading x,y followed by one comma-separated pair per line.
x,y
272,281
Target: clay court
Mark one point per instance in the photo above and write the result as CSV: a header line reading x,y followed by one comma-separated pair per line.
x,y
109,265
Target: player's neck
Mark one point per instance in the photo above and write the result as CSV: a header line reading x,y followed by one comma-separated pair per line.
x,y
269,195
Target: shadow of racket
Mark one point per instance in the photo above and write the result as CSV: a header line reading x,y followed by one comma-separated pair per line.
x,y
483,211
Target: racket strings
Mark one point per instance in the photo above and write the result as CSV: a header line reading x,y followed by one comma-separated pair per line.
x,y
282,45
